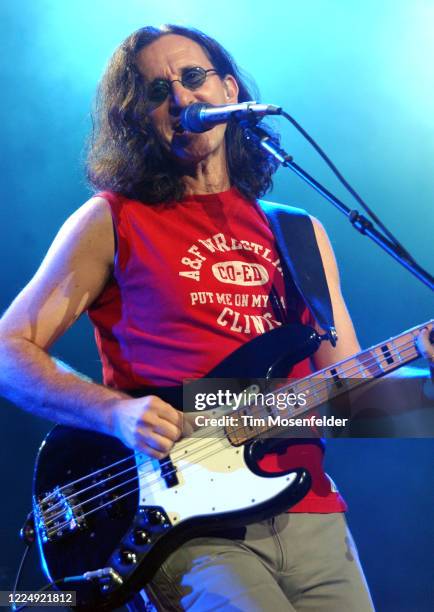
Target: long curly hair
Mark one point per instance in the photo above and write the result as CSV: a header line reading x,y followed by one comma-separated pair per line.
x,y
124,154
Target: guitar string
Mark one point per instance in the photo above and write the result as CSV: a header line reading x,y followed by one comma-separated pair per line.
x,y
191,467
295,383
369,351
148,487
193,442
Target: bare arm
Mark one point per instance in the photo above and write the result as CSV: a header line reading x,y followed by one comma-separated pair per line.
x,y
409,389
347,344
69,279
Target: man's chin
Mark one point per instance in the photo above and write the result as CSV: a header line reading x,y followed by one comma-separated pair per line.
x,y
186,152
190,149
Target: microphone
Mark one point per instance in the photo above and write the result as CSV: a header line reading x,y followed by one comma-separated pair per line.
x,y
202,117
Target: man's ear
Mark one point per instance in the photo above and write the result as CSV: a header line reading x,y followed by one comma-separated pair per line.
x,y
231,89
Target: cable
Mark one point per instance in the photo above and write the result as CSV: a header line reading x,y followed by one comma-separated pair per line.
x,y
19,572
330,164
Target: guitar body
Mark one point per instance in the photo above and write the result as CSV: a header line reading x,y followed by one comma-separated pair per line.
x,y
97,504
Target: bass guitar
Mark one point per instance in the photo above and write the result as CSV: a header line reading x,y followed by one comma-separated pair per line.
x,y
106,517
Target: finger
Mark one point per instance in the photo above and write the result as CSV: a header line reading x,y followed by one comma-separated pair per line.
x,y
139,444
169,413
188,424
167,430
150,451
424,344
154,440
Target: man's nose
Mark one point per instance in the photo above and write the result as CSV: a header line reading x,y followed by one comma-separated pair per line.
x,y
180,97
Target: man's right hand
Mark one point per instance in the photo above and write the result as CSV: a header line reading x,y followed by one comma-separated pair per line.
x,y
147,424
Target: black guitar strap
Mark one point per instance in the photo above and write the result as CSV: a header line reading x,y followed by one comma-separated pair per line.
x,y
301,260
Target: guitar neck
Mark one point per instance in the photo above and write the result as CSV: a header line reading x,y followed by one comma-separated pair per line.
x,y
328,383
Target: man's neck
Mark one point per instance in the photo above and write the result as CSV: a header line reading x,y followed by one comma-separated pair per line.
x,y
208,176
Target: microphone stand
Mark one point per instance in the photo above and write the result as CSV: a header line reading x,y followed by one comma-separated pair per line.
x,y
359,222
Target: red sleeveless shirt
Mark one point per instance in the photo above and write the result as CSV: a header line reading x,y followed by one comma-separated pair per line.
x,y
191,283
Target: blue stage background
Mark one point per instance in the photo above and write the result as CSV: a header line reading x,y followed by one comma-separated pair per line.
x,y
358,77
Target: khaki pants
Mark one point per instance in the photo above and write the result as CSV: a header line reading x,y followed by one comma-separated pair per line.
x,y
301,562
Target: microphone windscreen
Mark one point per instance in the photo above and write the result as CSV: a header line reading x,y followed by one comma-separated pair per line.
x,y
191,120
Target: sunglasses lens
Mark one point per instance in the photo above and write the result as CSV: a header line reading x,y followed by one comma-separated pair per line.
x,y
194,77
158,91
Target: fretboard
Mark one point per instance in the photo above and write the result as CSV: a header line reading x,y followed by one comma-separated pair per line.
x,y
326,384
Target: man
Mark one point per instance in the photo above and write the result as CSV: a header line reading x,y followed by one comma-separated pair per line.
x,y
135,256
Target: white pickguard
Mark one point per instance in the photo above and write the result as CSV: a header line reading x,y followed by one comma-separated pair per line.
x,y
213,478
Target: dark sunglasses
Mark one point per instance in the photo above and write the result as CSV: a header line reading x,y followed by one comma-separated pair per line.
x,y
191,78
